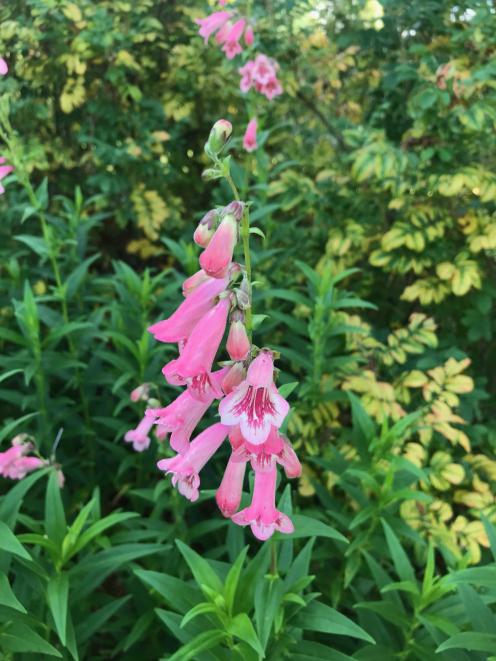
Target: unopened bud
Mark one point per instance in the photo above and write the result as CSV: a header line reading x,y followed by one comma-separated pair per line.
x,y
211,173
233,378
238,345
219,135
236,208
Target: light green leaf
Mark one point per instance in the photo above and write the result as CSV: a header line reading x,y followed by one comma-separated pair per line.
x,y
57,599
10,543
7,596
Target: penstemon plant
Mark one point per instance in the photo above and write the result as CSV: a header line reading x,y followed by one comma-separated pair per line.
x,y
250,406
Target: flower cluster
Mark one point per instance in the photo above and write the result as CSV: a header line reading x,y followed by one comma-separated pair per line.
x,y
228,32
250,406
261,73
15,463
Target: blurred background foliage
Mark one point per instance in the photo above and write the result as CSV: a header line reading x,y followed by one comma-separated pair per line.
x,y
375,187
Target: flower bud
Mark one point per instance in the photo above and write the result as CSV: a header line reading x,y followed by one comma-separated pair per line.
x,y
206,228
249,37
236,208
217,257
193,282
219,135
238,345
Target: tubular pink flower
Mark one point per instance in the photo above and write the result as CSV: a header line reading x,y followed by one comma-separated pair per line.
x,y
212,23
217,256
250,136
255,404
262,515
272,88
246,73
198,355
276,449
233,378
249,36
14,464
229,493
194,281
232,47
181,323
4,67
238,345
4,171
186,467
139,436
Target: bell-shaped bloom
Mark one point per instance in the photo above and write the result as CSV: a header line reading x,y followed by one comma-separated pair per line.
x,y
229,493
198,355
249,36
233,378
212,23
271,89
4,67
179,419
276,449
217,256
181,323
255,405
250,136
246,72
14,464
186,467
262,515
139,437
238,345
231,46
194,281
4,171
263,69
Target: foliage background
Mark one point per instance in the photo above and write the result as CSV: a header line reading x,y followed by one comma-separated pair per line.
x,y
375,190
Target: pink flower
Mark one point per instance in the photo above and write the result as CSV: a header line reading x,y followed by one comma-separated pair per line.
x,y
206,228
4,67
4,171
250,137
212,23
246,72
229,493
140,393
194,281
238,345
272,88
198,355
255,405
217,256
249,37
181,323
14,463
233,378
139,436
261,73
186,467
232,47
263,69
262,515
276,449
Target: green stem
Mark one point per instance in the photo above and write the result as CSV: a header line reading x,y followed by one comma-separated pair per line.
x,y
245,236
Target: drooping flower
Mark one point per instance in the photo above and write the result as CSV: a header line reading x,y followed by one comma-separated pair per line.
x,y
255,405
193,282
206,228
14,462
250,136
4,171
249,36
141,393
198,355
233,378
228,495
238,345
262,515
4,67
261,73
186,467
217,256
181,323
245,72
231,46
212,23
275,450
139,437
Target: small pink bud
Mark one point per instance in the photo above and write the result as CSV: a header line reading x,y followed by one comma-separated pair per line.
x,y
236,208
250,137
140,393
202,235
249,37
238,345
4,67
217,257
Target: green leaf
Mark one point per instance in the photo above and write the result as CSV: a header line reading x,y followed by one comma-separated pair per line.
x,y
287,388
401,562
178,594
9,542
7,596
18,637
201,642
95,621
201,570
74,280
199,609
305,526
11,502
232,580
258,231
55,523
9,428
320,617
471,641
242,628
361,419
99,527
58,599
36,243
310,651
